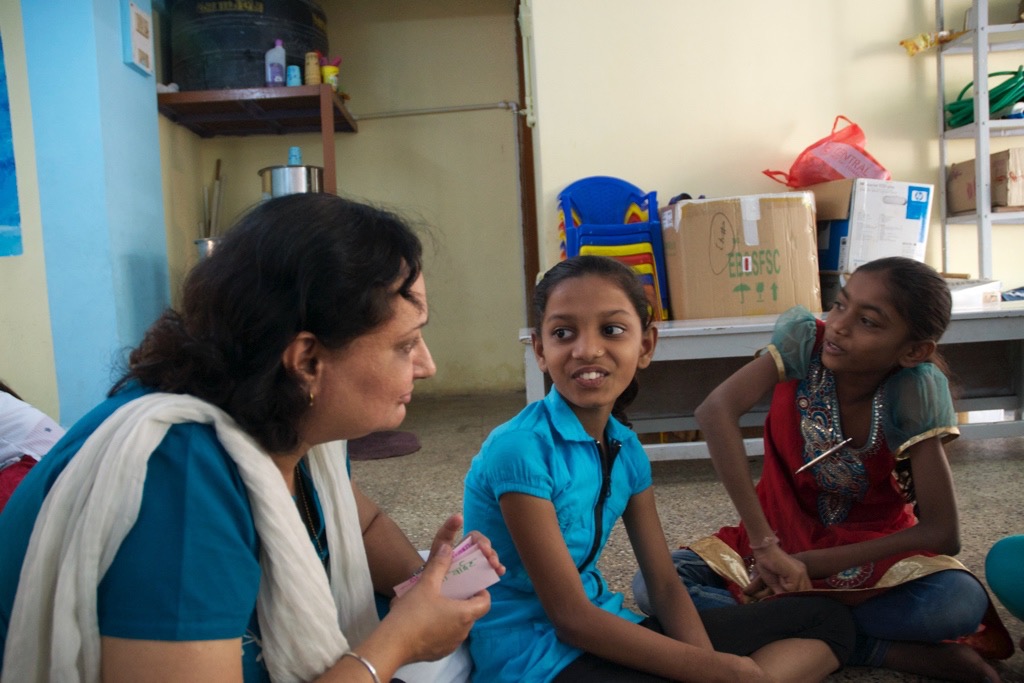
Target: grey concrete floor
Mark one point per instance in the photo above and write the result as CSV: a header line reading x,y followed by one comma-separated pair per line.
x,y
420,490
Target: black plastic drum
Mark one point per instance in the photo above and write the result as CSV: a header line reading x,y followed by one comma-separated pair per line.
x,y
218,44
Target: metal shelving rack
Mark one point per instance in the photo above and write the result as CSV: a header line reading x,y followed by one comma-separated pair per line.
x,y
979,42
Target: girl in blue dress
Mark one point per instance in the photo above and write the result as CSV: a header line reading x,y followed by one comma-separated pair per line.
x,y
548,486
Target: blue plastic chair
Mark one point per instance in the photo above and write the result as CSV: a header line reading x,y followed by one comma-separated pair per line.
x,y
601,204
603,200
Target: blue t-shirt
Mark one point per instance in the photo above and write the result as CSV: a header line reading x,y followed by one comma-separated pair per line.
x,y
189,567
545,452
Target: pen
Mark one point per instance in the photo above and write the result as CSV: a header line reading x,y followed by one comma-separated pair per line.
x,y
824,455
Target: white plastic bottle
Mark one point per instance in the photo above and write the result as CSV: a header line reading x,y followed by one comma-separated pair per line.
x,y
275,65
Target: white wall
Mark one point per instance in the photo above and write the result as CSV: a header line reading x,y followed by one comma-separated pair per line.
x,y
675,96
700,97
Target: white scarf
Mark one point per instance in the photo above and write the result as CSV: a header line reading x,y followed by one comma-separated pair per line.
x,y
54,629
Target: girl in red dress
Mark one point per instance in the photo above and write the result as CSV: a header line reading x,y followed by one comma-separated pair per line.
x,y
856,496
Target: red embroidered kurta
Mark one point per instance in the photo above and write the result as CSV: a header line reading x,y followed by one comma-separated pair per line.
x,y
852,495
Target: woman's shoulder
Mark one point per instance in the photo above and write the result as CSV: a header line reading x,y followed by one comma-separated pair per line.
x,y
82,429
184,445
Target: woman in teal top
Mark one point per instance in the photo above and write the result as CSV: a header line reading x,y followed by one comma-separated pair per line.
x,y
222,538
547,488
173,578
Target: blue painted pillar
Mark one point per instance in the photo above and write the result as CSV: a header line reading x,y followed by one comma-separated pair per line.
x,y
101,198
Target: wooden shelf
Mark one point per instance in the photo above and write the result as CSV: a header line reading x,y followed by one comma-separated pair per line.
x,y
264,111
255,111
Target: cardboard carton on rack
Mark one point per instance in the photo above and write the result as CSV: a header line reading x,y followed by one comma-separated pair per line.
x,y
974,293
736,256
1007,175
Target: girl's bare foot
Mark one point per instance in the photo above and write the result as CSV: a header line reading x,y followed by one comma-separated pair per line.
x,y
946,661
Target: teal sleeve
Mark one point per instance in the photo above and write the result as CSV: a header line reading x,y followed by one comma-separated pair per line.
x,y
793,341
517,462
918,406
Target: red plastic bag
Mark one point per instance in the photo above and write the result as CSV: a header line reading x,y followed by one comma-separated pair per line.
x,y
840,155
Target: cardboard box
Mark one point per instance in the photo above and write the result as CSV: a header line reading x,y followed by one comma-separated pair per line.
x,y
974,293
863,219
966,293
751,255
1007,168
831,282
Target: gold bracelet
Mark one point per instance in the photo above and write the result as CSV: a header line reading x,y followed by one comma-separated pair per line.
x,y
362,660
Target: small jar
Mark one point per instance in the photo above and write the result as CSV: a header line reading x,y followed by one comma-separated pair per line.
x,y
313,69
329,74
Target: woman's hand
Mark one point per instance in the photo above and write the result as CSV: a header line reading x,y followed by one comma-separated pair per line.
x,y
430,624
448,533
775,572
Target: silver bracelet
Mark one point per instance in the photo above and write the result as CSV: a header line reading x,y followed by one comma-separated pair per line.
x,y
766,542
362,660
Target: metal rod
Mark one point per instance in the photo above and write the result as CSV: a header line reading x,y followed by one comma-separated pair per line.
x,y
437,110
835,449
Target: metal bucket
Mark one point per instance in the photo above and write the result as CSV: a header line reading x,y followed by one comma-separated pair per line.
x,y
206,245
281,180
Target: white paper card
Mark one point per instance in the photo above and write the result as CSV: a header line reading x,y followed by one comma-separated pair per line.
x,y
469,573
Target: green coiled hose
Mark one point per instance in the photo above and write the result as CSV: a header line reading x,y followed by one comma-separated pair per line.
x,y
1001,99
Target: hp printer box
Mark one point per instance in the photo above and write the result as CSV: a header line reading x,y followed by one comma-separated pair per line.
x,y
863,219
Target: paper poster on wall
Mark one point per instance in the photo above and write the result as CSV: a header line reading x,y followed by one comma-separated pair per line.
x,y
10,214
137,38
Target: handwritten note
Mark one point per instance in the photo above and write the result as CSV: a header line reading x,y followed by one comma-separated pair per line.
x,y
470,573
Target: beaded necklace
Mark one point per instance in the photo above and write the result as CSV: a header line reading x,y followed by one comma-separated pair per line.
x,y
311,526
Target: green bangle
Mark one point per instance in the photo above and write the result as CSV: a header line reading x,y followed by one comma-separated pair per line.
x,y
362,660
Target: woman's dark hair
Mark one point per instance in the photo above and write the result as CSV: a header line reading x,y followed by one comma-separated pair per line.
x,y
620,275
7,390
302,262
922,298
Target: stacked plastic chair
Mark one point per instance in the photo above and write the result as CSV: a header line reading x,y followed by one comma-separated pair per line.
x,y
610,217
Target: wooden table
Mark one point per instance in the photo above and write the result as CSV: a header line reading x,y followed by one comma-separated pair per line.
x,y
984,348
